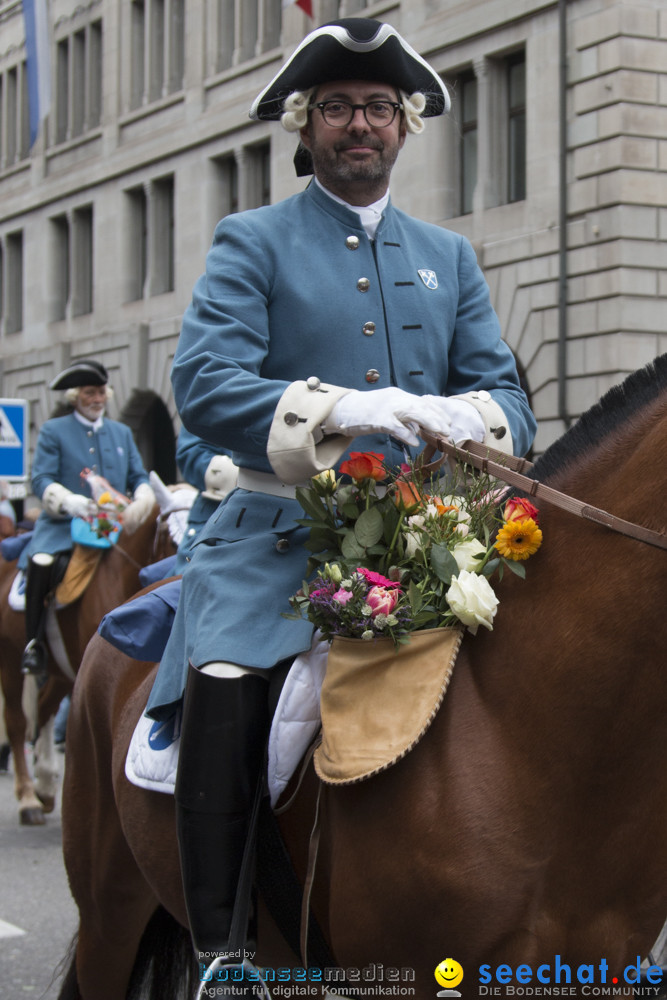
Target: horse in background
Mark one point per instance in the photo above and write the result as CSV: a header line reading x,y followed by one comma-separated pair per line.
x,y
528,823
116,578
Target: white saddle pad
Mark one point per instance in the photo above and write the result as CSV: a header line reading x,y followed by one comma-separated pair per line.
x,y
152,758
16,596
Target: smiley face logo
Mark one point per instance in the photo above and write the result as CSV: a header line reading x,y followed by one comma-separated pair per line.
x,y
449,974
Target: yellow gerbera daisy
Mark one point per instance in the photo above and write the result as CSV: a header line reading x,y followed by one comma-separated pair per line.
x,y
518,539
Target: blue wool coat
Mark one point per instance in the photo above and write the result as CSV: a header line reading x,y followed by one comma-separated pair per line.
x,y
64,448
283,298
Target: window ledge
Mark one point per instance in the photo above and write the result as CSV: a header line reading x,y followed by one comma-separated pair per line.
x,y
78,140
136,114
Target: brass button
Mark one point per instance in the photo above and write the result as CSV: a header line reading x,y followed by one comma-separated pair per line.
x,y
352,243
291,418
363,284
282,545
372,375
313,383
369,329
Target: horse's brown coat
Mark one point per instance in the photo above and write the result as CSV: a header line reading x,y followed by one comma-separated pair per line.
x,y
116,579
530,820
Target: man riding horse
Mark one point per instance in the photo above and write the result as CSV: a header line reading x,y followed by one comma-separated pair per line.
x,y
330,320
84,438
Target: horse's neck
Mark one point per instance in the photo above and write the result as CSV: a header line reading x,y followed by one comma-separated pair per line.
x,y
571,670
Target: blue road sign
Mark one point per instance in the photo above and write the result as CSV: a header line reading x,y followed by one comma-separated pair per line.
x,y
14,439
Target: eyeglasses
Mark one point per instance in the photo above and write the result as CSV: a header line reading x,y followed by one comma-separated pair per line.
x,y
339,114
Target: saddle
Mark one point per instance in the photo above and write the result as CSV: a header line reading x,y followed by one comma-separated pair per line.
x,y
80,571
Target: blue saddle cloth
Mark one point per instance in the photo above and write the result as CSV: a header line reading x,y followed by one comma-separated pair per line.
x,y
159,570
141,627
12,547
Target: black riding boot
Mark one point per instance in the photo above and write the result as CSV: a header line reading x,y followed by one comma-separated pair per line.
x,y
223,737
38,585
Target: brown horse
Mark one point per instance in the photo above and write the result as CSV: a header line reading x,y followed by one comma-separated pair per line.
x,y
116,578
527,828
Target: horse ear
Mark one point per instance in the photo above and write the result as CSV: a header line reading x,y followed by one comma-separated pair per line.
x,y
162,494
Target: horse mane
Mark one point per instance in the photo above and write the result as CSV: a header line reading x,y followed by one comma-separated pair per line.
x,y
618,405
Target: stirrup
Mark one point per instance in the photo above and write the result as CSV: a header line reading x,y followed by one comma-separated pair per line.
x,y
33,660
255,985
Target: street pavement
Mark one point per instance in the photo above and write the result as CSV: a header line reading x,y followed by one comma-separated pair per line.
x,y
38,917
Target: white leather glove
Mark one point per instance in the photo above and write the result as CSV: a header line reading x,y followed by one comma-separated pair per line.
x,y
220,477
142,504
466,423
390,411
76,505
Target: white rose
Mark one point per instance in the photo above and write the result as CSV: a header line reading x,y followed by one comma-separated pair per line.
x,y
472,600
465,553
414,542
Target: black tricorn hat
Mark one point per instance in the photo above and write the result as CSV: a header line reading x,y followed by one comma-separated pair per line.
x,y
81,373
354,48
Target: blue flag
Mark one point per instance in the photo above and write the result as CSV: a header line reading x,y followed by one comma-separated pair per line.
x,y
35,15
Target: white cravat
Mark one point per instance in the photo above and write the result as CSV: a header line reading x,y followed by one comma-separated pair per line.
x,y
369,215
92,424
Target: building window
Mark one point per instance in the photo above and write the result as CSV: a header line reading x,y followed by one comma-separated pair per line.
x,y
467,90
72,263
60,244
137,247
157,49
14,116
78,103
516,137
162,232
82,260
243,29
11,282
151,252
225,187
259,188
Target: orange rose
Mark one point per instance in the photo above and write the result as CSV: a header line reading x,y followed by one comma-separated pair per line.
x,y
407,495
364,465
518,509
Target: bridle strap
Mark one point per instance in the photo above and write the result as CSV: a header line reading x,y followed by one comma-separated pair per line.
x,y
511,470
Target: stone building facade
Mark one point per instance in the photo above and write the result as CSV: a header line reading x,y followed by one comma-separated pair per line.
x,y
553,162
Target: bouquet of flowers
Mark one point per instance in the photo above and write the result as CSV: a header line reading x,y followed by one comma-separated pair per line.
x,y
110,504
393,555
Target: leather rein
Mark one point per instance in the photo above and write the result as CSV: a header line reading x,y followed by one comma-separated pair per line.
x,y
512,470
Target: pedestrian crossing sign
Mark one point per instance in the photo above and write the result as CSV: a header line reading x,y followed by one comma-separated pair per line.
x,y
13,439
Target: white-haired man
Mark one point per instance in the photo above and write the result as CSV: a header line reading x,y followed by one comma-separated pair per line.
x,y
67,445
328,321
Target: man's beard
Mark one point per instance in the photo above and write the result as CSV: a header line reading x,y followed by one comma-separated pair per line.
x,y
332,170
91,413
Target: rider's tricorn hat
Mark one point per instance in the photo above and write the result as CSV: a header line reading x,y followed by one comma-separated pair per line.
x,y
354,48
81,373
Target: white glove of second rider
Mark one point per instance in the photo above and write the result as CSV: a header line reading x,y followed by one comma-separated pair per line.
x,y
400,414
76,505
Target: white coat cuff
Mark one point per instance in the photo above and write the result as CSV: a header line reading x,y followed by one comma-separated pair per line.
x,y
297,448
496,425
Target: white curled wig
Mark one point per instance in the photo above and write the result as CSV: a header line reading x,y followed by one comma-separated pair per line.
x,y
72,394
295,110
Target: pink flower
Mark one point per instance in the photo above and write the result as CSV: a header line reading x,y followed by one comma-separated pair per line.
x,y
342,596
376,578
381,600
519,509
